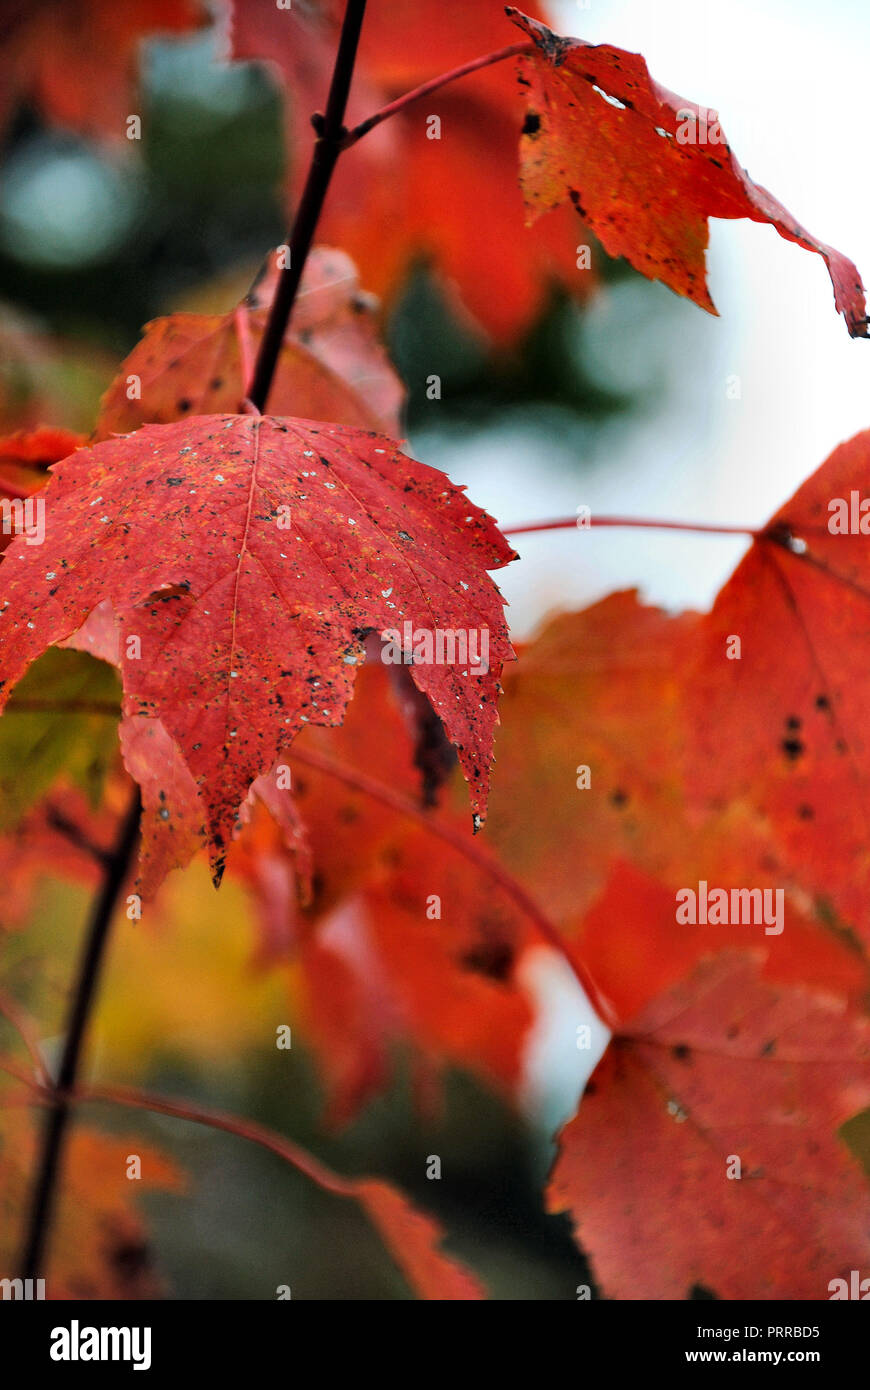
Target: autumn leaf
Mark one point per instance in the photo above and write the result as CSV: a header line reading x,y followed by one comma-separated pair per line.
x,y
412,1238
77,64
492,276
635,949
382,972
644,168
596,735
779,679
254,628
331,367
99,1246
721,1075
25,458
26,455
172,825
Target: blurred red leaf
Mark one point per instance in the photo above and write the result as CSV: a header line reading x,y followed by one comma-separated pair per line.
x,y
331,367
78,64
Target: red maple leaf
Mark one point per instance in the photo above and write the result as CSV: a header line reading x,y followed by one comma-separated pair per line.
x,y
249,556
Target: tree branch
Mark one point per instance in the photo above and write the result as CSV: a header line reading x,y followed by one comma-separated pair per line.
x,y
77,837
327,147
57,1120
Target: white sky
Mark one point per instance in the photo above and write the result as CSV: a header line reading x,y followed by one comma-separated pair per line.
x,y
789,82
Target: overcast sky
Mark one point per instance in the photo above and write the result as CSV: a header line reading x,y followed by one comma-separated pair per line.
x,y
788,78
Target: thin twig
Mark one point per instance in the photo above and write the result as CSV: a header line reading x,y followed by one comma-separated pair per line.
x,y
327,148
230,1124
512,50
576,523
27,705
59,821
12,1069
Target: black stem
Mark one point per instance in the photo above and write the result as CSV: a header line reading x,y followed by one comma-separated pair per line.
x,y
327,147
118,863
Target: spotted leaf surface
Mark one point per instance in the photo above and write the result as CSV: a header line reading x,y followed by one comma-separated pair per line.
x,y
250,556
779,679
705,1152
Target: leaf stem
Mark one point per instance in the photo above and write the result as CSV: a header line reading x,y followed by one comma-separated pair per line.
x,y
57,1121
231,1124
511,51
327,148
573,523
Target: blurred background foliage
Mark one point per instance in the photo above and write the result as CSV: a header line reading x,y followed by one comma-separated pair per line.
x,y
92,244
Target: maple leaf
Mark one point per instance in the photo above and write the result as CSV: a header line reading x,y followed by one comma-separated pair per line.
x,y
250,629
25,458
613,694
26,454
56,732
792,709
387,203
644,168
721,1067
172,825
331,366
77,63
380,972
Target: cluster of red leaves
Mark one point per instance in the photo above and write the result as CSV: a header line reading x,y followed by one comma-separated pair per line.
x,y
77,64
233,565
